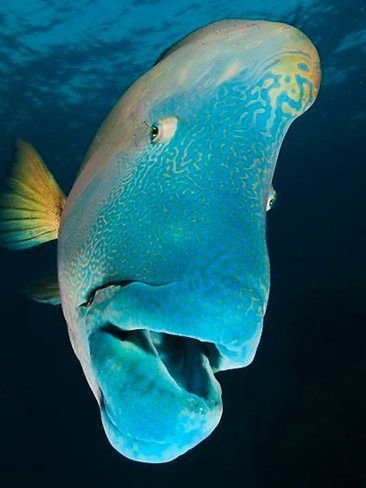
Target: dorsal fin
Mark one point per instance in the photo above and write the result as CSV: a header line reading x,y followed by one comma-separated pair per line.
x,y
173,47
30,211
194,36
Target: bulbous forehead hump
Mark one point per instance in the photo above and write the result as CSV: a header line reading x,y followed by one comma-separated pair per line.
x,y
237,34
236,45
230,51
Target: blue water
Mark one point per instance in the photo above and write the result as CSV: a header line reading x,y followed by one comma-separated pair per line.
x,y
295,418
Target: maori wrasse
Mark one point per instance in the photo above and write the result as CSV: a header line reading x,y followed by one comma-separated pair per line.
x,y
163,270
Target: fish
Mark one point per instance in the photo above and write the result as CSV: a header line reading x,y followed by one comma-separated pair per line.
x,y
163,272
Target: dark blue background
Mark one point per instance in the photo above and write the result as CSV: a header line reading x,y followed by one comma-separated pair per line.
x,y
295,417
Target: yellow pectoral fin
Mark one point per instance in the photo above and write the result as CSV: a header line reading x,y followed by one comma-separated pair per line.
x,y
30,211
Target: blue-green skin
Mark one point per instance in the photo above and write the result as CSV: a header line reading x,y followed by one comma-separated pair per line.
x,y
184,222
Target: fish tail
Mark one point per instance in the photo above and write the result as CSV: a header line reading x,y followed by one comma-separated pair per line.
x,y
30,209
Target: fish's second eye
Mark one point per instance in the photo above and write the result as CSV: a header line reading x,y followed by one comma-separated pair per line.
x,y
163,130
271,199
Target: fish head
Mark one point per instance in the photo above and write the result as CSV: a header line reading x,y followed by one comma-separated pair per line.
x,y
163,264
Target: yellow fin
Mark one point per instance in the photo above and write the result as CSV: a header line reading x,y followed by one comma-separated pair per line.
x,y
30,211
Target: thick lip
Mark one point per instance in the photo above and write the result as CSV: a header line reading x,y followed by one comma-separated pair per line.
x,y
148,450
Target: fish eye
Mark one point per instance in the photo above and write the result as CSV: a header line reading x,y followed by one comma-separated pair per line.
x,y
154,132
271,199
163,130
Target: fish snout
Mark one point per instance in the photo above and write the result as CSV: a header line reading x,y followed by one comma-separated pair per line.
x,y
158,400
154,350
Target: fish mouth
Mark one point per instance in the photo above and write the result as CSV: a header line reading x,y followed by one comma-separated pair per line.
x,y
170,309
186,360
159,394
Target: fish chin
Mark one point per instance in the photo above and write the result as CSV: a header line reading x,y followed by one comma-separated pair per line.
x,y
160,397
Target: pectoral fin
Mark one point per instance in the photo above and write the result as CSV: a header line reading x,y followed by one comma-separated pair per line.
x,y
30,211
45,290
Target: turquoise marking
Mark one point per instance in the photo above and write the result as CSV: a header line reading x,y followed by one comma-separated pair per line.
x,y
303,67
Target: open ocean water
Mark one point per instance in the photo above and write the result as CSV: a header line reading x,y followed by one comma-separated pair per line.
x,y
296,416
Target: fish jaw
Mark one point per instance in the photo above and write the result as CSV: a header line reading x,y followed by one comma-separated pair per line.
x,y
154,361
155,405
